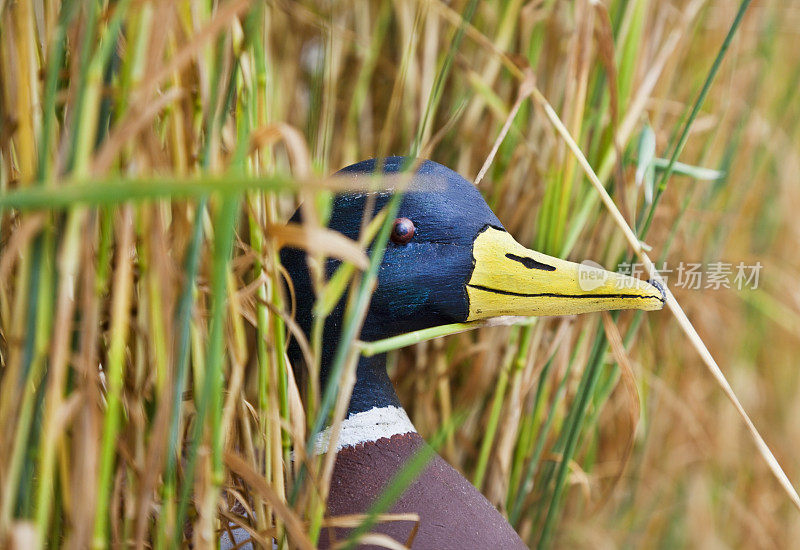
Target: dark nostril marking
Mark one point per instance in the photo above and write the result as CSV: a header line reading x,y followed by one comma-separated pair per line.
x,y
660,288
530,263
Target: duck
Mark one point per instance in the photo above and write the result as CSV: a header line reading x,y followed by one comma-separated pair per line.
x,y
448,260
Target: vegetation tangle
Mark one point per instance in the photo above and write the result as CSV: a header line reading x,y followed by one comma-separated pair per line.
x,y
151,152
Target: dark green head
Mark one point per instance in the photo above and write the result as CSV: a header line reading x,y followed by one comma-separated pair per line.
x,y
450,260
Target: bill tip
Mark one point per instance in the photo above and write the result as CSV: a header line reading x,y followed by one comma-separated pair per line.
x,y
660,288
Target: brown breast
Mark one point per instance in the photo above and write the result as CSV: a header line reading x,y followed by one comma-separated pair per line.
x,y
453,514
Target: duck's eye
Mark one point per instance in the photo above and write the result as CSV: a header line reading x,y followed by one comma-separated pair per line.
x,y
402,230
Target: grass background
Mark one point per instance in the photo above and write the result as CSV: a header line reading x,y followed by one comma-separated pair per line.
x,y
143,386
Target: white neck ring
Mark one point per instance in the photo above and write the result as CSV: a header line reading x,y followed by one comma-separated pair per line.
x,y
366,427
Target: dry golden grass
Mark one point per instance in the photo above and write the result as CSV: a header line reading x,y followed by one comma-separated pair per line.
x,y
132,348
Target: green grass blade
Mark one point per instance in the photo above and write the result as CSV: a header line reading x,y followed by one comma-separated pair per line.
x,y
698,104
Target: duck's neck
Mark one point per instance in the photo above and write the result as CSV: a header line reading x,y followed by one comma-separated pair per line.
x,y
373,387
374,412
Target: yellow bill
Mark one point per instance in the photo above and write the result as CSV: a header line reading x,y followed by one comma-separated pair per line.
x,y
509,279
